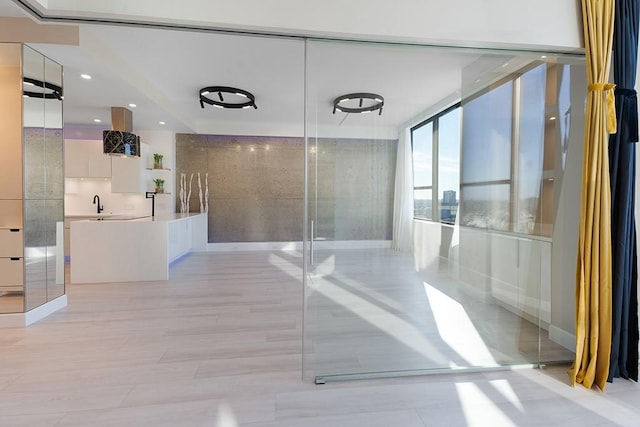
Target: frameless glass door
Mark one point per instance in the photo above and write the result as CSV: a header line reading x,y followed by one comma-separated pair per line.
x,y
475,291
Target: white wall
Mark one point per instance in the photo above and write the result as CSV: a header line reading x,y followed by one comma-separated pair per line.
x,y
78,199
497,23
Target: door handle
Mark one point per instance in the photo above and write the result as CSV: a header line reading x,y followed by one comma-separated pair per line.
x,y
311,244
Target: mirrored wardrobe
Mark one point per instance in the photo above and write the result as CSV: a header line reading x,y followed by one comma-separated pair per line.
x,y
32,282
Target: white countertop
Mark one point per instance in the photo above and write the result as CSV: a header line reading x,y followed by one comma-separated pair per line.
x,y
109,218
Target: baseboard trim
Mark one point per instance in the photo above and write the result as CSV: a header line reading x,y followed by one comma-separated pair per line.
x,y
297,246
254,246
562,337
20,320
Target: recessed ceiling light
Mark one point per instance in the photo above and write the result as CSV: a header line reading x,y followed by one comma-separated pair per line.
x,y
85,76
97,120
132,105
162,123
544,57
552,118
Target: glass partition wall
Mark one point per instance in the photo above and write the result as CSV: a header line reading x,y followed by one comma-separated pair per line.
x,y
494,143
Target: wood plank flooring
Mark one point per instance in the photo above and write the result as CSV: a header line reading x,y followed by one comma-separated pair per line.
x,y
220,345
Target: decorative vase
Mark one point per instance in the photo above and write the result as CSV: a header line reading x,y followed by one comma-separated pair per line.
x,y
160,190
157,165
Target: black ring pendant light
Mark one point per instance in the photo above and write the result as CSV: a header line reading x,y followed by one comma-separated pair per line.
x,y
340,103
219,91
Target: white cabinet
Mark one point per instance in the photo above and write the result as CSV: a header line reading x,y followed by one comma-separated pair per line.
x,y
11,242
11,279
11,213
85,159
11,260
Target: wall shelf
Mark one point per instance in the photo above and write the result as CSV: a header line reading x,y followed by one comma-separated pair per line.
x,y
158,169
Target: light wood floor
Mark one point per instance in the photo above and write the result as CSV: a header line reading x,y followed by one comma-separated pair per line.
x,y
370,311
220,345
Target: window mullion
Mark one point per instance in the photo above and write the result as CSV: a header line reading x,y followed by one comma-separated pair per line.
x,y
435,203
515,153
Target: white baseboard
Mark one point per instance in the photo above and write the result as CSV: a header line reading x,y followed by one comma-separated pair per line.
x,y
562,337
352,244
20,320
297,246
254,246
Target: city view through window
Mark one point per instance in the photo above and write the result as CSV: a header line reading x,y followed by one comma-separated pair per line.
x,y
494,167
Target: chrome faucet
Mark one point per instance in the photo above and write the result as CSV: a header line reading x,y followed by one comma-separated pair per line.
x,y
100,208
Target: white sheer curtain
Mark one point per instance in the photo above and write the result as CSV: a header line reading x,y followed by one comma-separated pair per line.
x,y
403,195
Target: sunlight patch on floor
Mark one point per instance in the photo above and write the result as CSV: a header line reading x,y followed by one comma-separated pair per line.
x,y
374,315
457,330
226,417
479,410
504,388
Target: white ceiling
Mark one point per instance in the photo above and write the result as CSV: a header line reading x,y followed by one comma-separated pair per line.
x,y
8,8
161,71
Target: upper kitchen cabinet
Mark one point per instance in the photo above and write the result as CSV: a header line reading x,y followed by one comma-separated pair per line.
x,y
86,159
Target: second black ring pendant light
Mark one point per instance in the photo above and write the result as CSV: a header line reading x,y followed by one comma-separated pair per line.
x,y
355,103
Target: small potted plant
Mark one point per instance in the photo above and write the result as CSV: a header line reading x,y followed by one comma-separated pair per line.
x,y
159,185
157,161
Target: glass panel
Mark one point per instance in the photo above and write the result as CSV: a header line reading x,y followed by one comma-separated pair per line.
x,y
422,204
37,238
54,184
486,136
35,213
422,142
486,206
530,150
55,249
449,164
473,294
33,120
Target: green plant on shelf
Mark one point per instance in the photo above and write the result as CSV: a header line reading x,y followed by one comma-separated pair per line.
x,y
159,185
157,161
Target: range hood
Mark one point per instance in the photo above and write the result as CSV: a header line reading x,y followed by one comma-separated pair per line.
x,y
120,141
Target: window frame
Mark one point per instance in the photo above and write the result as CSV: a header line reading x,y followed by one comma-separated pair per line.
x,y
434,120
513,181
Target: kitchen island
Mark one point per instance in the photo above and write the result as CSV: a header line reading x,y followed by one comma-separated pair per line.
x,y
130,249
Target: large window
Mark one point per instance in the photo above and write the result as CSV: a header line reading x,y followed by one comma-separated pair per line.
x,y
437,183
486,159
495,168
422,143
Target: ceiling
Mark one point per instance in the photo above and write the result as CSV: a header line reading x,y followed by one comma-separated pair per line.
x,y
161,71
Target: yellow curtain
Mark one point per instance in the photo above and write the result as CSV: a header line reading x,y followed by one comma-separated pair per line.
x,y
593,276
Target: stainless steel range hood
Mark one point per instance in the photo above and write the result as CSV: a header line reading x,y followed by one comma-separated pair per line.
x,y
120,141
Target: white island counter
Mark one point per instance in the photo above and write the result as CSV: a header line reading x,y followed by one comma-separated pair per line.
x,y
123,249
